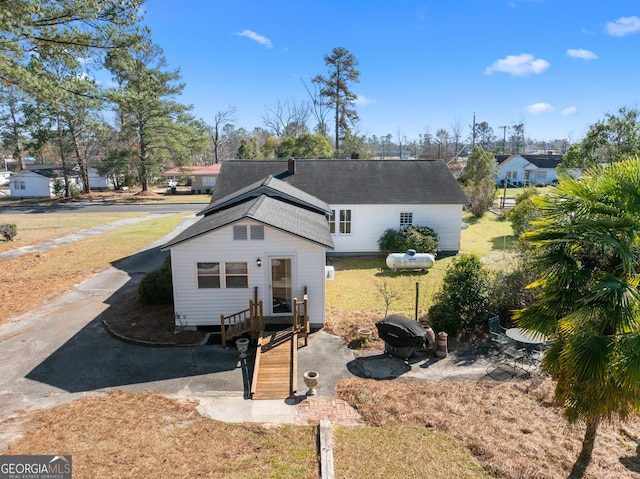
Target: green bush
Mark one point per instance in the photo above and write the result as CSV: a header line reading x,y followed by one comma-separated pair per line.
x,y
443,318
420,238
508,292
8,231
524,212
157,286
463,299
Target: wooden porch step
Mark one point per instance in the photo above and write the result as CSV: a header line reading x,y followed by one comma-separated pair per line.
x,y
275,370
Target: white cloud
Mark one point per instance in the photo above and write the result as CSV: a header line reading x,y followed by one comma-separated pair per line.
x,y
539,108
623,26
262,40
581,54
362,101
518,65
570,111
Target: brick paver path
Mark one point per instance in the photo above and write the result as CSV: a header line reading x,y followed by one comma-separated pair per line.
x,y
337,411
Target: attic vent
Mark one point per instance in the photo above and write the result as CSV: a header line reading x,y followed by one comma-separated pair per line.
x,y
239,232
257,232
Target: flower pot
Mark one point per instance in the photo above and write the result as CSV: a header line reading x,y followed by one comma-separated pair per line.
x,y
364,333
243,346
311,381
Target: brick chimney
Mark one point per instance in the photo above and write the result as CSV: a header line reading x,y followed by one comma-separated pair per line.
x,y
291,166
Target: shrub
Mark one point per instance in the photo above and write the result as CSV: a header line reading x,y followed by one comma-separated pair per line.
x,y
8,231
524,212
508,292
463,297
443,318
157,286
420,238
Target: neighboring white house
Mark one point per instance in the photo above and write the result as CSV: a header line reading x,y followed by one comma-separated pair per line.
x,y
521,170
96,180
269,236
38,181
366,197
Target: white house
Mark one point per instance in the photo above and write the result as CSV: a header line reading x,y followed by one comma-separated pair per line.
x,y
96,180
270,225
366,197
268,236
38,181
520,170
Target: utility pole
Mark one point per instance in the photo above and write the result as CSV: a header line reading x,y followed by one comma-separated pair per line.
x,y
473,131
504,136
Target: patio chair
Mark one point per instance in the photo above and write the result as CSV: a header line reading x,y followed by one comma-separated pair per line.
x,y
515,357
499,340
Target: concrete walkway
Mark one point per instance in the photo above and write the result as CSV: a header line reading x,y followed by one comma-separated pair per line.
x,y
62,351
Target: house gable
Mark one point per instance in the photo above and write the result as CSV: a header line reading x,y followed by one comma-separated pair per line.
x,y
274,188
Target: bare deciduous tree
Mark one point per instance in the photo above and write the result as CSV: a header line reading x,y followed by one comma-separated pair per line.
x,y
287,119
220,119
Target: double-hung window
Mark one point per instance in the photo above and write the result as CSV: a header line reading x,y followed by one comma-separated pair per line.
x,y
345,222
208,275
236,275
223,275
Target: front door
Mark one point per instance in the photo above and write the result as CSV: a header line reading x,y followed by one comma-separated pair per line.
x,y
281,280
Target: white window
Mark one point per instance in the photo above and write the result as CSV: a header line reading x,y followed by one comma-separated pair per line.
x,y
406,219
345,222
332,222
208,181
22,185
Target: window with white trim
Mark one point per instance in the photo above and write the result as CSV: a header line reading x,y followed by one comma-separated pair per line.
x,y
208,275
332,222
345,222
406,219
236,275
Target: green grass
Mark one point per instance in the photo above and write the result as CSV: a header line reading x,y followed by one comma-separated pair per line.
x,y
359,280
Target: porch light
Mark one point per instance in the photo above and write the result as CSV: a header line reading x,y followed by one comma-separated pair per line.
x,y
259,262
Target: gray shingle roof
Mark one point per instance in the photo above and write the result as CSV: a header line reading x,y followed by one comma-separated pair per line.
x,y
543,161
272,212
274,188
350,181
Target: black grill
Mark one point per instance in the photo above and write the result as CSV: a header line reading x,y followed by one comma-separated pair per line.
x,y
402,336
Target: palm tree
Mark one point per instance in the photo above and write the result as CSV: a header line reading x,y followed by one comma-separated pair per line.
x,y
588,247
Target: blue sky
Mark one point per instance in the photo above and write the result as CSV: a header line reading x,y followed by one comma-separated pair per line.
x,y
557,66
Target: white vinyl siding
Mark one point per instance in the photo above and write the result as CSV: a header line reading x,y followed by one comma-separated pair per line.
x,y
370,221
200,307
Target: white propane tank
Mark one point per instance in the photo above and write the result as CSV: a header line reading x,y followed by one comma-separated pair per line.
x,y
410,260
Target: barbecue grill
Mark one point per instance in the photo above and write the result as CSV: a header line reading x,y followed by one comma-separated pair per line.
x,y
401,336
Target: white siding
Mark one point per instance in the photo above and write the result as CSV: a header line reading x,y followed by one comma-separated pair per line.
x,y
368,222
199,307
35,185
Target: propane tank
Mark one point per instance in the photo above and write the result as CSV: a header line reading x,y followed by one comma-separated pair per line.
x,y
410,260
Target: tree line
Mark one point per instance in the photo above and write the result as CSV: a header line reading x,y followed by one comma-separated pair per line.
x,y
52,108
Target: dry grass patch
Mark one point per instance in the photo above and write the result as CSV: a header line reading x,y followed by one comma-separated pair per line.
x,y
147,435
515,430
31,280
402,451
